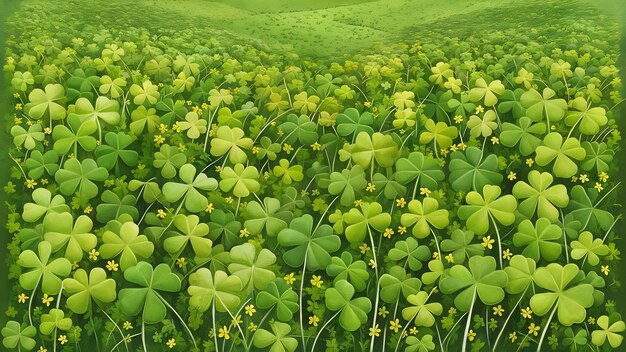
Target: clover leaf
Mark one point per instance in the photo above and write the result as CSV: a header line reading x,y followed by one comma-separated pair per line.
x,y
230,141
78,176
460,244
38,164
344,268
489,91
396,282
47,103
471,170
523,134
482,126
278,339
189,190
540,197
440,134
193,125
78,133
424,215
360,222
599,156
347,183
268,217
44,204
480,209
168,159
353,311
113,206
562,153
543,105
18,336
29,139
520,273
424,169
240,180
352,122
289,173
53,320
108,155
218,289
254,269
589,248
310,245
190,231
142,118
299,128
588,119
82,290
422,313
76,239
367,149
44,271
541,240
123,239
610,333
280,295
584,207
412,251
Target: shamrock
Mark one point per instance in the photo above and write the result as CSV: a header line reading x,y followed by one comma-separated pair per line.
x,y
44,204
229,141
347,183
541,240
79,133
78,176
76,239
147,92
29,139
471,170
142,118
424,169
267,149
19,336
268,217
82,290
421,312
193,125
190,230
344,268
562,153
397,282
150,193
440,134
353,311
488,206
351,122
225,117
108,155
146,297
219,290
173,109
361,222
599,156
423,344
610,333
113,206
279,338
523,134
241,180
388,184
48,103
569,299
367,149
189,190
482,126
588,119
311,247
543,105
424,215
482,280
280,295
520,273
168,159
460,244
224,224
584,207
106,110
288,173
21,80
299,128
487,91
123,239
540,197
589,248
254,269
38,164
53,320
410,250
44,270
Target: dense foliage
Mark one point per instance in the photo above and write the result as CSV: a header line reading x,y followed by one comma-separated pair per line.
x,y
168,193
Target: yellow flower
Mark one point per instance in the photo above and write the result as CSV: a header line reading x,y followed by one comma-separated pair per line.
x,y
358,202
495,140
287,148
158,140
513,336
605,270
574,178
435,255
128,338
394,325
479,109
42,349
316,281
181,262
250,310
47,299
471,334
388,232
364,248
223,333
252,327
93,254
591,320
163,128
583,178
161,213
127,325
533,329
62,339
402,230
530,162
511,176
370,187
413,330
375,331
598,186
290,278
458,119
401,202
488,242
22,298
367,104
209,208
313,320
244,232
372,263
498,310
316,146
382,311
450,258
181,147
171,343
229,200
454,148
112,265
87,210
425,191
236,321
527,313
507,254
603,176
30,183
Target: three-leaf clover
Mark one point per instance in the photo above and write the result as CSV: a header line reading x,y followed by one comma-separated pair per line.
x,y
218,289
254,269
278,339
472,170
540,196
123,239
190,231
79,176
61,231
421,312
588,247
561,152
18,336
610,333
47,103
82,290
241,180
189,190
280,295
541,240
423,215
480,209
353,311
43,270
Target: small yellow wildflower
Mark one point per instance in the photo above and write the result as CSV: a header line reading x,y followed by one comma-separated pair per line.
x,y
316,146
394,325
498,310
112,265
382,311
479,109
127,325
401,202
370,187
244,232
530,162
511,176
287,148
495,140
402,230
62,339
513,336
47,299
252,327
598,186
171,343
605,270
488,242
388,232
471,335
413,330
450,258
507,254
22,298
93,254
223,333
317,281
181,262
372,263
583,178
533,329
209,208
364,248
30,183
250,310
161,213
458,119
527,313
158,140
375,331
603,176
425,191
314,320
290,278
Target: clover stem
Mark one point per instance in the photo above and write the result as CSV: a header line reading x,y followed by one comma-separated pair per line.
x,y
95,334
495,344
436,242
300,298
206,136
499,241
214,324
118,328
322,329
124,340
545,328
30,303
260,323
406,326
234,320
182,321
143,334
369,231
237,208
469,320
55,340
439,338
268,124
453,327
415,187
487,326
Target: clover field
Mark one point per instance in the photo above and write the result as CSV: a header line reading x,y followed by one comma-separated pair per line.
x,y
287,176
